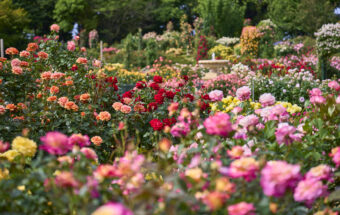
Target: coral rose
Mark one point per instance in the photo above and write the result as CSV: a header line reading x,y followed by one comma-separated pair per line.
x,y
97,140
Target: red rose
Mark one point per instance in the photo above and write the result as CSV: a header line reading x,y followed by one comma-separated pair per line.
x,y
159,98
115,81
185,77
76,97
157,79
205,97
141,84
170,94
169,121
161,91
204,106
127,94
115,87
74,67
154,86
109,79
156,124
189,96
152,106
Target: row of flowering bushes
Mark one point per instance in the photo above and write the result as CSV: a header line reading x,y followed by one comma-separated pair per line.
x,y
73,141
264,161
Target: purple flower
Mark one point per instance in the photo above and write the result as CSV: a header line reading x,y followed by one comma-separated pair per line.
x,y
285,134
55,143
216,95
79,139
267,99
309,190
278,176
321,172
250,120
219,124
112,208
180,129
243,93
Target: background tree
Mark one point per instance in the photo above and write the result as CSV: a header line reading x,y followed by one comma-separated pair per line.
x,y
312,14
173,10
40,13
67,12
301,16
12,24
226,16
119,18
284,14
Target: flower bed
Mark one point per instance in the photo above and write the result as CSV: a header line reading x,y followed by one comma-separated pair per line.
x,y
73,141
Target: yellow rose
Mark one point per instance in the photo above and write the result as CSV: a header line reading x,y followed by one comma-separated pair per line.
x,y
10,155
196,174
4,173
25,146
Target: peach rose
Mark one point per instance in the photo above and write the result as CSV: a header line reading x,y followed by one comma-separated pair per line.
x,y
96,140
125,109
117,106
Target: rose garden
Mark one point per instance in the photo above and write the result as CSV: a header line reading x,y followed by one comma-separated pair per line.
x,y
143,129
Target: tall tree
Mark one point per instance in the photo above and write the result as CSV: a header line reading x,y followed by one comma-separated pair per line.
x,y
119,18
301,16
173,10
40,13
313,14
284,14
13,21
67,12
226,16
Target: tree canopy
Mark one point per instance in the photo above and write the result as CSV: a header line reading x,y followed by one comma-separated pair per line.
x,y
114,19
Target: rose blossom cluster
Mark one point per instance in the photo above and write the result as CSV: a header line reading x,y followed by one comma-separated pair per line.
x,y
286,134
218,124
243,93
316,96
56,143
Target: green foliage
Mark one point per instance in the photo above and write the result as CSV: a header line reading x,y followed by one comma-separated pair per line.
x,y
12,23
284,13
301,16
119,18
312,14
225,16
40,14
267,39
67,12
174,10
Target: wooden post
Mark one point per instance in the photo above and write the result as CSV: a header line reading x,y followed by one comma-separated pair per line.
x,y
2,48
101,50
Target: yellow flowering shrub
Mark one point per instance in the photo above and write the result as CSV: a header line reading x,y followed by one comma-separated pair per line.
x,y
24,146
229,103
123,74
222,52
10,155
174,51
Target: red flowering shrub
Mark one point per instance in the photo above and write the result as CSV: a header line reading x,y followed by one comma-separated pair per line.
x,y
156,124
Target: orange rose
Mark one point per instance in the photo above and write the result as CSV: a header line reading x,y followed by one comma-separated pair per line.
x,y
51,98
84,97
96,140
11,107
